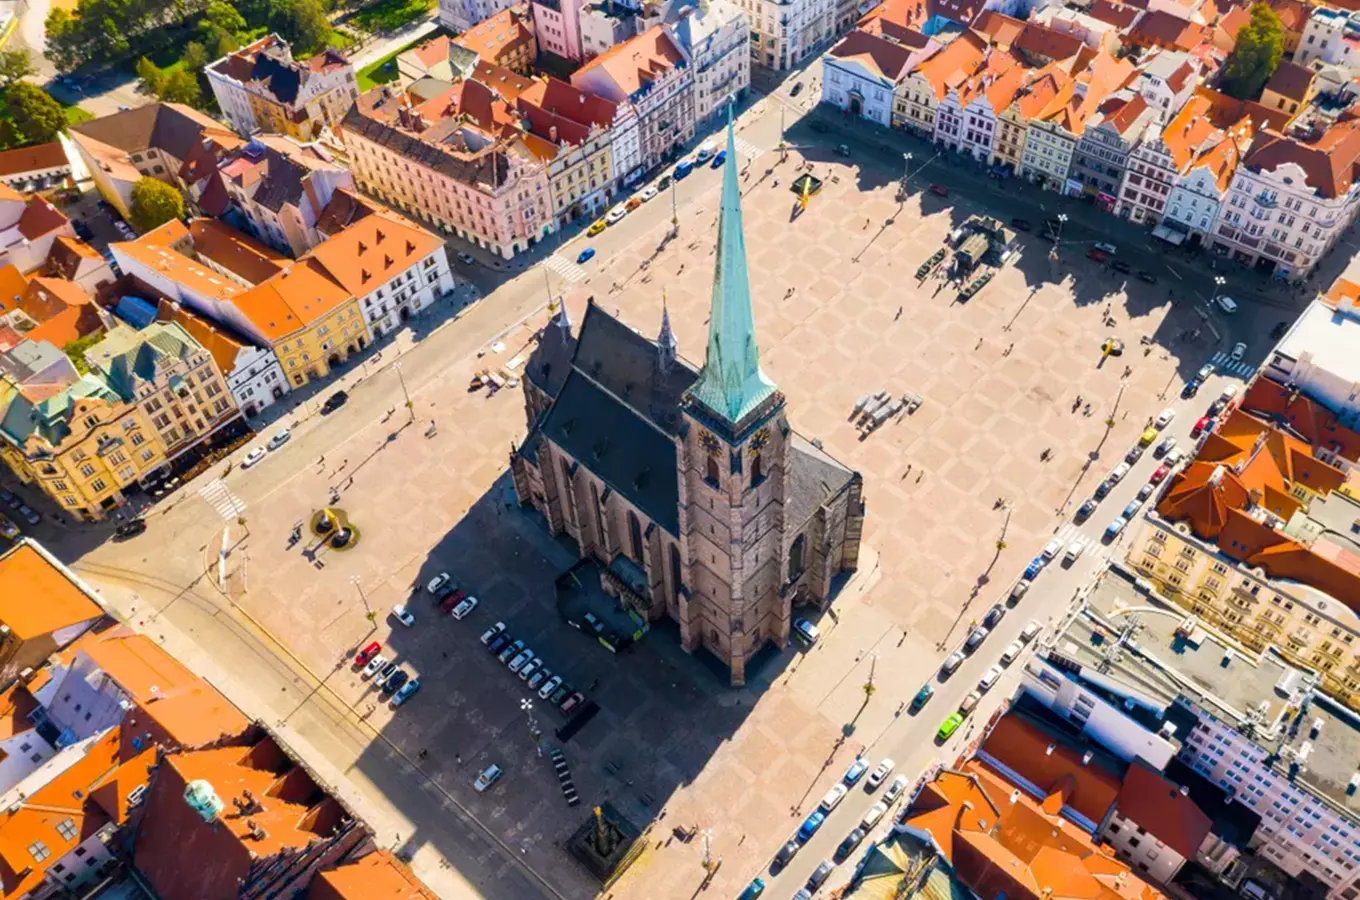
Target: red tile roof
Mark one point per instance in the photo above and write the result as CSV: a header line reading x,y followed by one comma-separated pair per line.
x,y
33,159
1291,80
1158,806
885,58
377,876
1162,29
1328,159
1054,769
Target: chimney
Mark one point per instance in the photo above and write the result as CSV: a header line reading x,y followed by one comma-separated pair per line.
x,y
404,116
1185,791
1051,748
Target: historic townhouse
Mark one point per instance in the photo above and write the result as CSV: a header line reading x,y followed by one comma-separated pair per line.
x,y
650,74
262,88
1331,35
1103,151
457,160
1167,80
966,118
1206,142
1051,139
783,32
714,38
921,92
862,73
506,40
1291,198
570,131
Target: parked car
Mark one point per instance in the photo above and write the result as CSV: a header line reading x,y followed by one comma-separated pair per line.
x,y
388,669
279,439
922,698
33,518
939,190
1035,566
1162,471
1146,490
970,702
786,853
718,159
1011,652
10,500
406,691
706,151
585,256
1131,509
1148,436
1164,418
253,457
549,686
1227,304
683,169
753,890
1085,510
122,532
872,817
796,89
491,633
1030,631
847,846
529,668
975,638
1239,350
334,402
462,610
1135,453
880,772
437,583
855,772
994,616
511,651
538,678
1051,549
1122,267
649,192
616,215
1114,528
820,875
1018,591
596,227
806,630
490,775
1107,247
403,615
520,660
896,788
948,727
951,662
810,825
1165,447
498,643
833,797
1201,424
466,259
8,529
572,702
989,678
374,664
363,656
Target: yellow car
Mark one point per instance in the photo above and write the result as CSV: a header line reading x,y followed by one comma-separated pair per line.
x,y
1148,437
8,529
596,228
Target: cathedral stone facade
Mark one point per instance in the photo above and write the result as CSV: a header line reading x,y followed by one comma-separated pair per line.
x,y
688,486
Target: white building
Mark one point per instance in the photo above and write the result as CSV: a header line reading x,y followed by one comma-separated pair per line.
x,y
254,376
460,15
1195,200
1291,198
783,33
1332,36
864,72
393,267
966,117
1150,174
262,88
1167,80
1317,355
22,749
714,37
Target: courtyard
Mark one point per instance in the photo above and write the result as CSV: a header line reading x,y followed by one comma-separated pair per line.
x,y
839,314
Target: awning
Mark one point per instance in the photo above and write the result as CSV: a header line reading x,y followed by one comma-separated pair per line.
x,y
1170,235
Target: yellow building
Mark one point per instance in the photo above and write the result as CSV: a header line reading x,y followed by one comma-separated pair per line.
x,y
310,321
261,87
568,130
82,445
1009,144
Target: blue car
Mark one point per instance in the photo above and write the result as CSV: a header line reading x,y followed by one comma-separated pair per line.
x,y
810,825
1036,566
719,159
856,771
586,256
1114,528
753,890
685,167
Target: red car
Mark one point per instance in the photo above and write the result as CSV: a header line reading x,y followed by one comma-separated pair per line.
x,y
364,655
1096,255
1201,426
452,600
1161,473
939,190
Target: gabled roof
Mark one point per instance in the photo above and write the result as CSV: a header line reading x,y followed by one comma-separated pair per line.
x,y
557,111
377,876
1291,80
496,37
1162,29
373,251
33,159
1158,806
223,344
886,59
1119,15
236,251
1053,767
953,65
127,356
39,596
1328,160
635,63
291,300
170,127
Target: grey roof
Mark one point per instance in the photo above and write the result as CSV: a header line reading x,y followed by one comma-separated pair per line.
x,y
551,360
624,363
165,126
428,87
624,449
29,358
813,478
127,356
282,183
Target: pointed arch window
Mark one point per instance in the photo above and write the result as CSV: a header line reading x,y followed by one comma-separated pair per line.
x,y
757,470
796,553
711,471
676,572
635,536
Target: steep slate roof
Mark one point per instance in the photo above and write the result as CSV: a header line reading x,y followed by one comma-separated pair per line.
x,y
37,598
814,477
126,355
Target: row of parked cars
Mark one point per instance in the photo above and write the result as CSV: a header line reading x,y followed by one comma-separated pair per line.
x,y
531,669
388,676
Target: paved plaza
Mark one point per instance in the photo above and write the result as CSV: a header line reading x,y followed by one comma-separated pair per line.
x,y
839,315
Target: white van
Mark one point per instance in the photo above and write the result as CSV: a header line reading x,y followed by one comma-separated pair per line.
x,y
1119,472
1229,392
1073,551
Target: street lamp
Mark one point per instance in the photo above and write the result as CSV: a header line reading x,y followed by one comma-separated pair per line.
x,y
1057,239
359,585
906,173
1219,281
869,685
410,407
528,707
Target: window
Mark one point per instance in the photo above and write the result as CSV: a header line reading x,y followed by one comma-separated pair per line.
x,y
635,536
67,829
796,557
711,471
38,850
757,475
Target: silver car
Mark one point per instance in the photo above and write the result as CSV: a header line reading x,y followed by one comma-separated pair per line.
x,y
521,660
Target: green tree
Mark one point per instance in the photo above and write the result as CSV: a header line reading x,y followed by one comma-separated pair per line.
x,y
1260,45
302,23
31,116
224,17
63,44
153,79
181,86
195,57
14,66
154,203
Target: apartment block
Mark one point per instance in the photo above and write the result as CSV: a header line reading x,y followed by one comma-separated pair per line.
x,y
261,87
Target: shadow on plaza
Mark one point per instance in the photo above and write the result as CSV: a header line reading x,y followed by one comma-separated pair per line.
x,y
662,714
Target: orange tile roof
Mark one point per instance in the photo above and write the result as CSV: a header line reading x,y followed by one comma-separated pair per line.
x,y
71,324
373,251
1116,14
377,876
189,711
13,287
37,597
41,218
1158,806
179,268
33,159
1024,748
291,300
1328,160
42,817
998,841
1162,29
223,346
636,62
433,52
501,36
236,251
953,65
1002,30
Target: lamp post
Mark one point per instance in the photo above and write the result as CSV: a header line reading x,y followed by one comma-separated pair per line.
x,y
359,585
783,147
707,835
1219,281
528,707
675,210
869,685
1057,239
906,173
410,407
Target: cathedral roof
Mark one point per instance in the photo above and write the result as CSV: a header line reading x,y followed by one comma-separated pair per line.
x,y
625,450
625,363
814,478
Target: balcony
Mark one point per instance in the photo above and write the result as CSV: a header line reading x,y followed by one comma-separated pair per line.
x,y
1264,199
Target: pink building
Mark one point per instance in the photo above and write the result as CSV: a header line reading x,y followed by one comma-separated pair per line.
x,y
558,26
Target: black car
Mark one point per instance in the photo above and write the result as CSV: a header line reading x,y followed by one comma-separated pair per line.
x,y
334,402
786,853
1147,276
1278,331
9,499
398,678
820,876
663,182
1021,224
1103,488
797,89
1191,388
130,529
994,615
82,230
1086,509
498,642
852,840
1120,266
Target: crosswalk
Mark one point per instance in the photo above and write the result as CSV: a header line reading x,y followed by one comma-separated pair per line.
x,y
567,269
219,497
748,149
1069,534
1224,363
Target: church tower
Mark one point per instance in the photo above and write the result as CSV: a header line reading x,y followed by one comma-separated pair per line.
x,y
733,458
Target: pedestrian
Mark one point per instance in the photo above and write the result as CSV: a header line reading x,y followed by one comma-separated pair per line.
x,y
899,314
979,344
919,474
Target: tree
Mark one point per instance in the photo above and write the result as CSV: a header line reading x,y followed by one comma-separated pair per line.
x,y
31,116
63,45
195,57
14,66
1260,45
224,17
154,203
181,86
302,23
153,79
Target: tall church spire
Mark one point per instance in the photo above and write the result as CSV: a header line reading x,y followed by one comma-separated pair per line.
x,y
731,383
665,340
